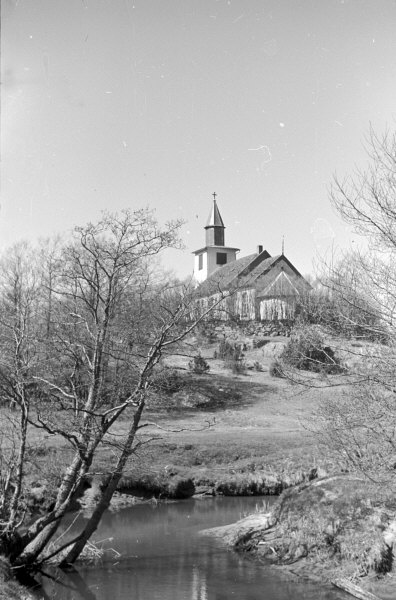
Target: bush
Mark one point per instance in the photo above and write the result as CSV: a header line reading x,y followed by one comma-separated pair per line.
x,y
347,313
306,350
275,369
237,365
227,350
179,488
167,380
232,355
198,365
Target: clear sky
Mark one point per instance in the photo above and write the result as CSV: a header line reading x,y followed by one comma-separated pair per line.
x,y
108,104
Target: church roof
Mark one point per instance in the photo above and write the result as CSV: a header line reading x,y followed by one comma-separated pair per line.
x,y
244,272
248,279
215,219
223,248
223,277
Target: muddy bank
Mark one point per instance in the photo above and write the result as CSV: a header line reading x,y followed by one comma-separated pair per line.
x,y
257,483
174,485
336,527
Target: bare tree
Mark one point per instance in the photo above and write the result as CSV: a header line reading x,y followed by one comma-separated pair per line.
x,y
367,199
20,357
359,292
50,263
105,330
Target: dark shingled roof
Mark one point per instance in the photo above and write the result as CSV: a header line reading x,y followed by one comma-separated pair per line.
x,y
257,271
223,276
243,273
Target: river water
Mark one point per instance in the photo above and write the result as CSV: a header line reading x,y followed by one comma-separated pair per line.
x,y
163,557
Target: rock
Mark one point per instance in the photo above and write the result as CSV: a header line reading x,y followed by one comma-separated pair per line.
x,y
273,349
390,535
251,526
300,552
120,501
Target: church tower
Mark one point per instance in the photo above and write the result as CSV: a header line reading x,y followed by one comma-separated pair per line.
x,y
215,254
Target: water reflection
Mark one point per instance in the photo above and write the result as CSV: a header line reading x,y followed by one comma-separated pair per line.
x,y
198,591
65,585
164,558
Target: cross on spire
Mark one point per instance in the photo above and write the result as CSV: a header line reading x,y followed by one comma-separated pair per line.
x,y
214,196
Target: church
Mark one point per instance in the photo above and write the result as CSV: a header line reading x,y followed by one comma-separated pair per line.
x,y
255,287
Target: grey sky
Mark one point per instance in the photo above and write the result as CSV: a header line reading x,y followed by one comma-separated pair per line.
x,y
128,103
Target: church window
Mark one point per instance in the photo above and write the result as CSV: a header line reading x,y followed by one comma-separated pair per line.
x,y
219,236
221,258
200,262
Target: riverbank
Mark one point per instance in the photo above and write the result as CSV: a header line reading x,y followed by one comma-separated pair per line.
x,y
10,589
336,528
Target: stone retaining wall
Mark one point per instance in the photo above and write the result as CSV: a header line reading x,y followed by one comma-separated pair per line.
x,y
255,330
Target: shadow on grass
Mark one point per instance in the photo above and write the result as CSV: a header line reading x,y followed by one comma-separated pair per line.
x,y
209,393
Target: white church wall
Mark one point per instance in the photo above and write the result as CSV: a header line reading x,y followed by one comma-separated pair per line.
x,y
201,274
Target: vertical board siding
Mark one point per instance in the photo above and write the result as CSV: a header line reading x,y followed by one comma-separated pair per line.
x,y
277,309
245,301
242,305
220,307
202,305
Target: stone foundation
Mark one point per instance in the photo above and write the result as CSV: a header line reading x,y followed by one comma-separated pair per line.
x,y
254,330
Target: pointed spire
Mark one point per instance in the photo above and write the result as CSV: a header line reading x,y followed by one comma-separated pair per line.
x,y
215,226
215,219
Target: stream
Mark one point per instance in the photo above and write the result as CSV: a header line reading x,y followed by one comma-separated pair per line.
x,y
162,556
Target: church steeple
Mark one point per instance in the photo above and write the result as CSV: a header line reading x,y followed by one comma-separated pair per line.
x,y
215,226
215,254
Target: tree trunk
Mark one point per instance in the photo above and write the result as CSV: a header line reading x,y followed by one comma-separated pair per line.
x,y
37,537
20,464
107,493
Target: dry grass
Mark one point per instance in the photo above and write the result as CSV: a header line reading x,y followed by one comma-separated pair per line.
x,y
337,522
11,590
